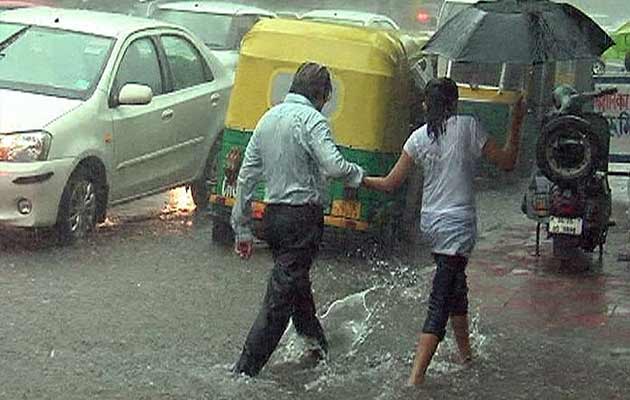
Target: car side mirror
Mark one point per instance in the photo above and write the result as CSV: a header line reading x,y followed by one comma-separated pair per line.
x,y
133,94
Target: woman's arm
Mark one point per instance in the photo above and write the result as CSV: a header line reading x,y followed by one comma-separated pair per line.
x,y
394,179
505,158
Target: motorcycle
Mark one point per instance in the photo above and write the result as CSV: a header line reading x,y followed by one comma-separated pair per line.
x,y
569,193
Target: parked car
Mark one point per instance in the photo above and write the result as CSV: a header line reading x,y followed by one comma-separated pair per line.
x,y
288,14
426,16
99,109
352,18
221,26
13,4
144,8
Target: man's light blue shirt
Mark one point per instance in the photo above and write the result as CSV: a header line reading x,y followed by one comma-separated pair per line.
x,y
292,150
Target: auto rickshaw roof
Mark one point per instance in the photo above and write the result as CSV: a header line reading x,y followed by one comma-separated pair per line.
x,y
623,29
342,47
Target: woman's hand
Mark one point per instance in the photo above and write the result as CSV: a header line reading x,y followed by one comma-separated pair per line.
x,y
520,111
394,179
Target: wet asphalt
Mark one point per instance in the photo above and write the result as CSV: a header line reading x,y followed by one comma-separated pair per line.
x,y
149,308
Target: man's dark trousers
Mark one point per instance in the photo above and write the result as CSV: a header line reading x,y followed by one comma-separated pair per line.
x,y
294,234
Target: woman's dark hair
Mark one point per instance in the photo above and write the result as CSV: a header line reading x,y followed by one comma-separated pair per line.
x,y
441,97
312,81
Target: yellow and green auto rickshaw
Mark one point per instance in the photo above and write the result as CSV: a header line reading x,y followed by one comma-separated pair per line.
x,y
620,51
372,109
489,91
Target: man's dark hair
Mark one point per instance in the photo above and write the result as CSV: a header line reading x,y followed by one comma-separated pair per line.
x,y
441,97
312,81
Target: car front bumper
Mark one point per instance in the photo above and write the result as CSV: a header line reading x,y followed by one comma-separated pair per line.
x,y
41,183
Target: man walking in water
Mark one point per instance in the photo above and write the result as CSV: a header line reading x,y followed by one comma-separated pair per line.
x,y
292,150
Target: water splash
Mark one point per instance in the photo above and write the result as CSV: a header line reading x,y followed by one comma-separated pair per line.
x,y
372,335
445,360
346,323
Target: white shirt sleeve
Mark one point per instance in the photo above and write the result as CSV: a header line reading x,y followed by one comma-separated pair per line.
x,y
412,146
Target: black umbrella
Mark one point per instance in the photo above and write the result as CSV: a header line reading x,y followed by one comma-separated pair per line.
x,y
519,32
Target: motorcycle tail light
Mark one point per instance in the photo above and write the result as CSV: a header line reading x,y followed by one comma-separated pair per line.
x,y
541,205
567,209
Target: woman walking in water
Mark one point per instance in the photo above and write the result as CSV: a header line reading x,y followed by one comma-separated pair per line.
x,y
448,148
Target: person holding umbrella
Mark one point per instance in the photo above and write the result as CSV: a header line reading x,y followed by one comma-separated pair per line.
x,y
448,147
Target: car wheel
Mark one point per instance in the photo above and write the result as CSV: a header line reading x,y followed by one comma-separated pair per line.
x,y
568,150
599,67
202,187
200,191
78,208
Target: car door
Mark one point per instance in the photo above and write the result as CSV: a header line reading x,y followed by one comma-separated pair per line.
x,y
143,135
199,101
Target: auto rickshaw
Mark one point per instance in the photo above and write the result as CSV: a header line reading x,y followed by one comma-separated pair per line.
x,y
489,91
620,52
371,111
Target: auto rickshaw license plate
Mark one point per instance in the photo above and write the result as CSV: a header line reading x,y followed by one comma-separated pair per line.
x,y
346,209
565,226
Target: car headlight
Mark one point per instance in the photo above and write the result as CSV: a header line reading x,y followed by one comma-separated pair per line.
x,y
25,146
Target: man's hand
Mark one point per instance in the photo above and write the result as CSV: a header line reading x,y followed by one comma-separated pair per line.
x,y
244,248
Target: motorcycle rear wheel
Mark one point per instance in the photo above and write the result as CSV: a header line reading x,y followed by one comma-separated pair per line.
x,y
579,130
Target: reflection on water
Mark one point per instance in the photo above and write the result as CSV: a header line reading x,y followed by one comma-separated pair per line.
x,y
179,200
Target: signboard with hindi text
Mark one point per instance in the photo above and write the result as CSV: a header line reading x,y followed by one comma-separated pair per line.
x,y
616,108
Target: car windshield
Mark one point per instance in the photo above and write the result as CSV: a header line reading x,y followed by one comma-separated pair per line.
x,y
51,61
217,31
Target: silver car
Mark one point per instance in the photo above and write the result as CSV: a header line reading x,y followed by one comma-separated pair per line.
x,y
97,109
220,25
357,18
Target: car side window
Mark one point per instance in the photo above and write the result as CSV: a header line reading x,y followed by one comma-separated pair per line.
x,y
140,65
187,65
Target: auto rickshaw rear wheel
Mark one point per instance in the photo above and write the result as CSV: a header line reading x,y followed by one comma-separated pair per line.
x,y
222,231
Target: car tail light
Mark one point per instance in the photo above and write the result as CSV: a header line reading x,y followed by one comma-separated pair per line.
x,y
423,17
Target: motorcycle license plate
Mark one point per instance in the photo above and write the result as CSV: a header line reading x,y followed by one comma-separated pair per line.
x,y
565,226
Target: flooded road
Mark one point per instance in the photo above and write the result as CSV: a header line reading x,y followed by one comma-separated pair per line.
x,y
149,308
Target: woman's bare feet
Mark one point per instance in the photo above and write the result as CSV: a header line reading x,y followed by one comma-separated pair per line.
x,y
459,323
426,349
